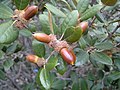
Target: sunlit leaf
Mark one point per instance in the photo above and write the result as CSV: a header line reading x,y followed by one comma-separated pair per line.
x,y
55,11
7,33
70,20
44,78
90,12
5,11
82,6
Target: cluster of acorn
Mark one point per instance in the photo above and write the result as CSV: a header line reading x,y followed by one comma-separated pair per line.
x,y
23,17
60,46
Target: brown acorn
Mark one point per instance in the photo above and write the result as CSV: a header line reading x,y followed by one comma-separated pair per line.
x,y
42,37
68,55
30,12
84,26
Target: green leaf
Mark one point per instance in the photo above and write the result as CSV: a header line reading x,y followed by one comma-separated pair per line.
x,y
7,64
82,6
11,49
70,20
51,63
58,84
45,23
100,17
5,11
44,78
7,33
1,53
112,76
101,57
90,12
21,4
83,84
104,45
109,2
55,11
61,68
2,75
25,33
82,57
38,48
74,34
82,43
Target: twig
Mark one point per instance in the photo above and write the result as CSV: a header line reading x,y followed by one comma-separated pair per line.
x,y
50,56
91,23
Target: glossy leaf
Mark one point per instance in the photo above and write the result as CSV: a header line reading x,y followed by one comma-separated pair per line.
x,y
74,34
104,45
44,78
82,6
82,57
90,12
70,20
101,57
5,11
7,64
21,4
52,62
109,2
44,21
38,48
55,11
7,33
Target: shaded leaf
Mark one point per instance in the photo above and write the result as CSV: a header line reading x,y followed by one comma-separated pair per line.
x,y
82,5
7,64
70,20
21,4
82,57
44,78
58,84
90,12
83,84
109,2
101,57
104,45
61,68
2,75
7,33
51,63
44,21
38,48
5,11
55,11
25,33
